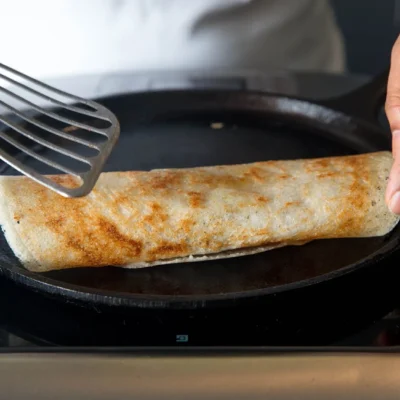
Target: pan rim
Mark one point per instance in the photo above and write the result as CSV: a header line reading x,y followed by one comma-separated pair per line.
x,y
36,282
74,292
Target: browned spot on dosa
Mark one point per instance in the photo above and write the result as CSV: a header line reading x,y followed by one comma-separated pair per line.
x,y
317,164
122,198
255,173
55,223
167,250
293,203
186,224
323,175
165,180
68,181
262,199
156,215
196,199
133,247
71,128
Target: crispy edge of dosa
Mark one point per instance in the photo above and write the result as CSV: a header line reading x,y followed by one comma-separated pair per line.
x,y
14,241
213,256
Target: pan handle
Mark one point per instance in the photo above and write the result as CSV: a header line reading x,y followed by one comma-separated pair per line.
x,y
364,102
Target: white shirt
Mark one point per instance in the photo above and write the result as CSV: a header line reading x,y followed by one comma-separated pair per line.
x,y
54,39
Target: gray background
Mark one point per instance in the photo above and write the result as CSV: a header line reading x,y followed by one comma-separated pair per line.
x,y
370,28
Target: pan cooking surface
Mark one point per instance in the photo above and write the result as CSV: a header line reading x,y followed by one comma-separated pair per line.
x,y
168,141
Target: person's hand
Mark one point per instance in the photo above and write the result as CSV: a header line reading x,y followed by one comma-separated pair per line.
x,y
392,108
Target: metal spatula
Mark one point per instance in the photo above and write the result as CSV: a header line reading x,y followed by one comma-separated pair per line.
x,y
19,123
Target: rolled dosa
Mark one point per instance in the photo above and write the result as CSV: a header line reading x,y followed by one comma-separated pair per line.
x,y
137,219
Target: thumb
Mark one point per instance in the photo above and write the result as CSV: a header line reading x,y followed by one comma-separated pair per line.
x,y
392,109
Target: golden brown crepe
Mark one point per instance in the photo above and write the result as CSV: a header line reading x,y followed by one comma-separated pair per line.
x,y
139,219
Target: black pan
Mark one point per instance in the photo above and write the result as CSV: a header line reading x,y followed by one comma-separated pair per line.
x,y
174,129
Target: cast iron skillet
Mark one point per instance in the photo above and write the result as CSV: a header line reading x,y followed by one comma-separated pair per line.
x,y
174,129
